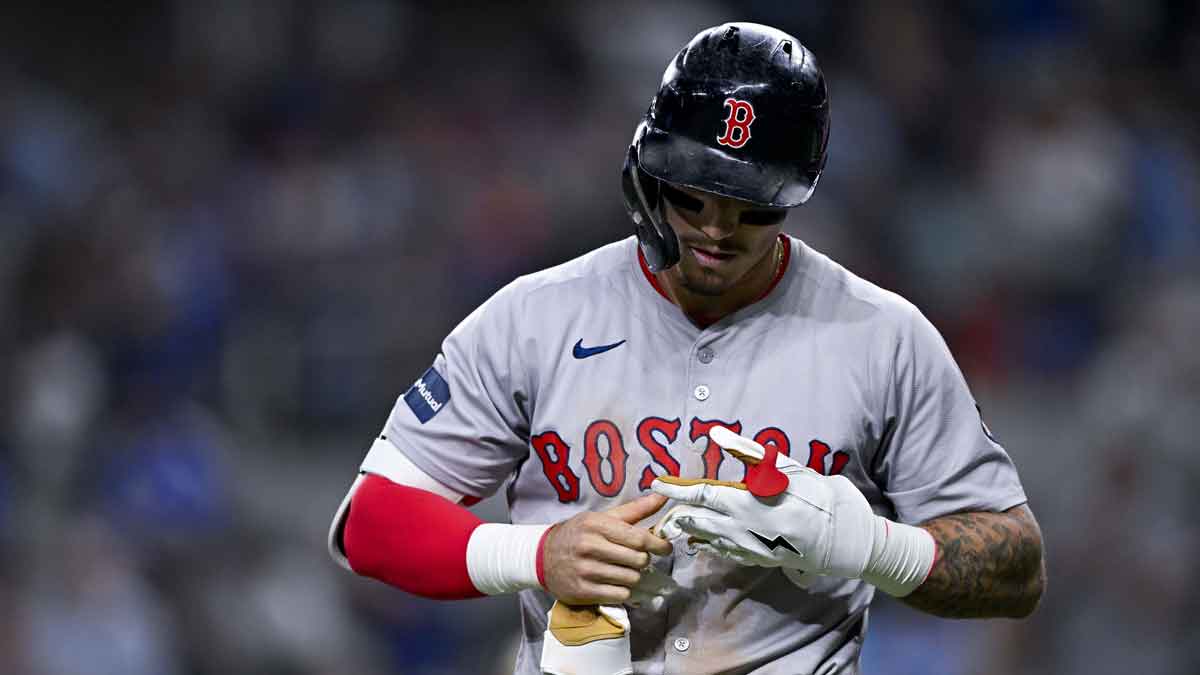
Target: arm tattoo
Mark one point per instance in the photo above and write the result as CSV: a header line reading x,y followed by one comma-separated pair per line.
x,y
988,565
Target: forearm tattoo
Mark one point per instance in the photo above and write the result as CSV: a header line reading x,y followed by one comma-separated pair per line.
x,y
988,565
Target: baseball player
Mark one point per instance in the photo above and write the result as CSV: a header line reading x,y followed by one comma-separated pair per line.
x,y
812,432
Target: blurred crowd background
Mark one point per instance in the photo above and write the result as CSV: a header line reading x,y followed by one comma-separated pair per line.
x,y
232,233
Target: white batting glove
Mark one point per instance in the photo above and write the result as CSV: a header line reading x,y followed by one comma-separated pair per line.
x,y
652,590
792,517
586,640
594,639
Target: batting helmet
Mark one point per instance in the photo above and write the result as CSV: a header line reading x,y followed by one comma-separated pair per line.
x,y
742,111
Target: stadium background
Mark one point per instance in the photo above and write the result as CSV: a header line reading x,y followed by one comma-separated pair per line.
x,y
232,233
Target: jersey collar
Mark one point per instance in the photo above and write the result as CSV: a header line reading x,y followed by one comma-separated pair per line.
x,y
787,256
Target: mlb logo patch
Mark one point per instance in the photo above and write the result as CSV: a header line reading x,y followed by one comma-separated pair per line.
x,y
427,395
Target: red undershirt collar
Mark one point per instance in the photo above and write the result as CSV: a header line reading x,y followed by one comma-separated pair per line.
x,y
783,265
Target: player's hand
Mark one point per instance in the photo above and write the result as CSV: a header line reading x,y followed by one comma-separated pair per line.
x,y
597,558
817,524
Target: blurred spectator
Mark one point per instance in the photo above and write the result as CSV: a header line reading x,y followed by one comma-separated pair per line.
x,y
92,614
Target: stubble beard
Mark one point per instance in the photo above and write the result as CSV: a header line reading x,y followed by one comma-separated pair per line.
x,y
697,281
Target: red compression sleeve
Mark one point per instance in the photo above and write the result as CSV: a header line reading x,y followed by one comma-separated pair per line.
x,y
411,539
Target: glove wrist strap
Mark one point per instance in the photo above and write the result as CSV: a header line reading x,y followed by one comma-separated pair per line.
x,y
901,558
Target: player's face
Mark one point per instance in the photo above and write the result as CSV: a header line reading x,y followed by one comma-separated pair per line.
x,y
722,241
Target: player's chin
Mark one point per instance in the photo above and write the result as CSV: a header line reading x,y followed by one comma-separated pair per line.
x,y
702,281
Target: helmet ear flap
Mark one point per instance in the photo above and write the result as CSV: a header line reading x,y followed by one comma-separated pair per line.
x,y
643,200
650,188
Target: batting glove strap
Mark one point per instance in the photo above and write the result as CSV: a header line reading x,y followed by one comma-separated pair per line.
x,y
901,558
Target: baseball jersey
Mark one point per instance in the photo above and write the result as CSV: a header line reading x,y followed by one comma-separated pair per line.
x,y
574,387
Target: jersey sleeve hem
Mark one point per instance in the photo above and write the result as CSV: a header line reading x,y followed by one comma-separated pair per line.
x,y
334,539
913,509
386,459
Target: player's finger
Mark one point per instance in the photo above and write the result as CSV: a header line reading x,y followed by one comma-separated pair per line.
x,y
635,538
745,449
656,544
735,554
694,492
750,451
702,528
603,594
616,554
637,510
669,528
613,575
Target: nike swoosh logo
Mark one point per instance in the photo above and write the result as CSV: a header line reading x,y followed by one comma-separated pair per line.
x,y
775,543
581,352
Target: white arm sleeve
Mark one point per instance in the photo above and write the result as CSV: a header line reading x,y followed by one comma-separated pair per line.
x,y
383,459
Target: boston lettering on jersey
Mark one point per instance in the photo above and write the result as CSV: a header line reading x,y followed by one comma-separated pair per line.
x,y
654,436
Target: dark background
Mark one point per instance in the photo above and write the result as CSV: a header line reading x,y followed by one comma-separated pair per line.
x,y
232,233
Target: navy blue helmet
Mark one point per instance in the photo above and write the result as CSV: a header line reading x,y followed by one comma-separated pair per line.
x,y
743,112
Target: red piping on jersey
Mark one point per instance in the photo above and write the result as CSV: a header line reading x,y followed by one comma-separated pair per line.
x,y
783,265
650,276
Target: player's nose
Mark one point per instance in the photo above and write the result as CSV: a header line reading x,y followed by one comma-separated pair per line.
x,y
721,225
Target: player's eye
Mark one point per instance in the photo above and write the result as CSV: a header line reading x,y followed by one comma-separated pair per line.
x,y
681,200
762,216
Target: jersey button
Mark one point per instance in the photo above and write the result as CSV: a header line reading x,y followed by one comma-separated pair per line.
x,y
682,644
700,392
705,355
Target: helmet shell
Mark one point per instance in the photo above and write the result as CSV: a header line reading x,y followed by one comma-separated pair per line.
x,y
743,112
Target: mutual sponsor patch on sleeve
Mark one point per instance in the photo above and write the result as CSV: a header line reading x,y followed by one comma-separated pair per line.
x,y
428,395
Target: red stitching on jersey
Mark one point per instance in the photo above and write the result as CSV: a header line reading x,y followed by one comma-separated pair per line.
x,y
650,275
783,265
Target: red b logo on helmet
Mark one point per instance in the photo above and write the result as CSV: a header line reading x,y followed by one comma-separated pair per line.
x,y
737,125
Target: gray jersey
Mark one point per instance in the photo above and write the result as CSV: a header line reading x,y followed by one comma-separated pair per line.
x,y
576,386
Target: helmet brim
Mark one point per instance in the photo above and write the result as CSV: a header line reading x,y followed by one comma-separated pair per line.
x,y
683,161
